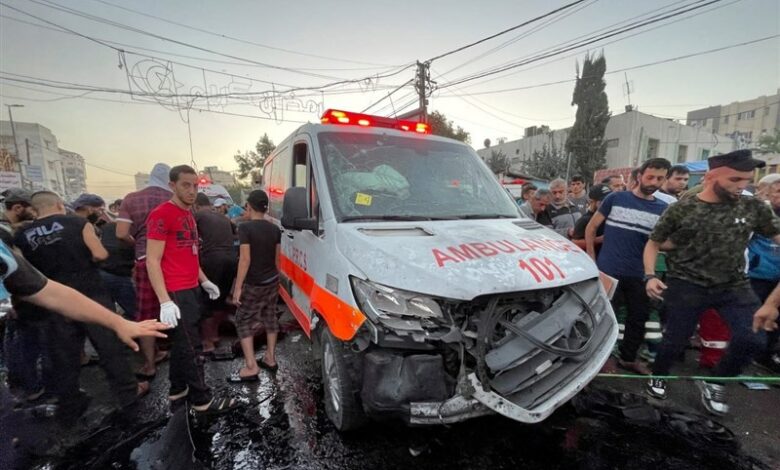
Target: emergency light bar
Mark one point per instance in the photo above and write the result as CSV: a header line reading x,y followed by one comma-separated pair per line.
x,y
334,116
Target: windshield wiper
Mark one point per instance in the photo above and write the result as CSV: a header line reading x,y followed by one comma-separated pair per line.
x,y
488,216
352,218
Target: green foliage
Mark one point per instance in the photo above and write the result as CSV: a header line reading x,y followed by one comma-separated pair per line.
x,y
445,128
547,164
252,160
586,139
498,162
769,143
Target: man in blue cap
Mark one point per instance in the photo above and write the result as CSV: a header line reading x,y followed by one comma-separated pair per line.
x,y
705,237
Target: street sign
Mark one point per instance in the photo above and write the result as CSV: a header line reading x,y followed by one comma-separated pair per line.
x,y
10,179
34,173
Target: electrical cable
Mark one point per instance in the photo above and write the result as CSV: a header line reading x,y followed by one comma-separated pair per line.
x,y
578,45
244,41
492,36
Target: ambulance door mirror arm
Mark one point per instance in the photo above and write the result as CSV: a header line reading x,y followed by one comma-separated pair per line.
x,y
295,213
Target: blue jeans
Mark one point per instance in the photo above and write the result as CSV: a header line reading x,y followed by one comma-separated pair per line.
x,y
122,292
685,302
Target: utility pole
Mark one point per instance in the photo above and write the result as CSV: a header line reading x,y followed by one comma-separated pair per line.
x,y
423,77
13,135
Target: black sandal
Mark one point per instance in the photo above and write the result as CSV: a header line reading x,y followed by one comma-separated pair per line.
x,y
237,378
270,368
218,406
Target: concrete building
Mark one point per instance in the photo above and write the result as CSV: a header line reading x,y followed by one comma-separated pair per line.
x,y
631,137
745,121
39,155
75,174
220,177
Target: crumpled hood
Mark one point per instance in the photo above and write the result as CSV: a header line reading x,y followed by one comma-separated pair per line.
x,y
463,259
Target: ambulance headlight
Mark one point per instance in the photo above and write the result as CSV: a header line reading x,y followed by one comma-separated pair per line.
x,y
378,301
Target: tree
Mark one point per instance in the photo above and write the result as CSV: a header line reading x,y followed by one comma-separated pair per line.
x,y
254,159
445,128
237,192
548,164
769,143
586,139
498,162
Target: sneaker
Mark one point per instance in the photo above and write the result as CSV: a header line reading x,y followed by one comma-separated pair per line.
x,y
656,388
713,397
771,363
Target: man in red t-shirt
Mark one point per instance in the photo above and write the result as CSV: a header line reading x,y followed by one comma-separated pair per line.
x,y
174,272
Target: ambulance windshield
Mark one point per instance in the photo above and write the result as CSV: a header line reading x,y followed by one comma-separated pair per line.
x,y
379,177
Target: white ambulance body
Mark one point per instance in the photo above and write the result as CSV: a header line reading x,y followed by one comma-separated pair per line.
x,y
426,294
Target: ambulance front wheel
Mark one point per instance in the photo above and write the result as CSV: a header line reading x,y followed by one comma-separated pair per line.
x,y
342,401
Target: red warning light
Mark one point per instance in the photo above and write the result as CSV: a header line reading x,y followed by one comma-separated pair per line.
x,y
334,116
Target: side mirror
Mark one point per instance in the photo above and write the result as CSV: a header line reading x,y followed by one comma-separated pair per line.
x,y
295,214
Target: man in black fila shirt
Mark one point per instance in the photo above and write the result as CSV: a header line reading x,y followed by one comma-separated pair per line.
x,y
64,248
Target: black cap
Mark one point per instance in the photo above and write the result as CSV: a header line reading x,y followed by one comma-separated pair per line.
x,y
88,200
740,160
16,196
598,192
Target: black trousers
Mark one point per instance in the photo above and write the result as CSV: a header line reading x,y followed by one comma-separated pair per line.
x,y
186,363
735,305
65,342
631,293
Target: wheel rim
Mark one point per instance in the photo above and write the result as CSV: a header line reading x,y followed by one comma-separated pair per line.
x,y
331,379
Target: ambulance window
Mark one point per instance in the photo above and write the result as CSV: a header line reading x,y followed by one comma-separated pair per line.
x,y
279,181
299,170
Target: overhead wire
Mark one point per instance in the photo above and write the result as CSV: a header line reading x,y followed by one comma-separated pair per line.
x,y
633,67
244,41
508,30
523,35
175,54
586,42
619,39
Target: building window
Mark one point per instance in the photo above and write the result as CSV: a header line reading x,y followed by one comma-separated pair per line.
x,y
746,115
682,153
652,148
612,143
705,154
725,119
766,111
704,122
517,151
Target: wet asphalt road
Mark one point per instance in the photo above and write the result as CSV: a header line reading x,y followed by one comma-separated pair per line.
x,y
284,426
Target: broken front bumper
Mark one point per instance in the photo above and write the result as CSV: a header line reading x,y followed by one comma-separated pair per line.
x,y
545,395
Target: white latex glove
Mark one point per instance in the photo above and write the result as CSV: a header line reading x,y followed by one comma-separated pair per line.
x,y
211,289
169,313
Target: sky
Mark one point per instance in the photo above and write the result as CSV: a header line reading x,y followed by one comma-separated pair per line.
x,y
151,104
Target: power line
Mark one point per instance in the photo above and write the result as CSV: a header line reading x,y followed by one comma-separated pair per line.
x,y
98,19
522,35
244,41
558,59
625,69
388,95
591,40
492,36
174,54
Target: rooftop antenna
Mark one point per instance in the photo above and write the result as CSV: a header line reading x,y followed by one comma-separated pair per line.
x,y
628,87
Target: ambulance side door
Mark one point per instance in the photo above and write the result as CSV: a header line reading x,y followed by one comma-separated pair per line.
x,y
305,247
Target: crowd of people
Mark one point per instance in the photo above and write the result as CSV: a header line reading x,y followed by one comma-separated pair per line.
x,y
707,255
163,258
169,257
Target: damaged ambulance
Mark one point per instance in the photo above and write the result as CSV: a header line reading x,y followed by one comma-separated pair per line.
x,y
426,294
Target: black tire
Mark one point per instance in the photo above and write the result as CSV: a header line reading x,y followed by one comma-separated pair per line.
x,y
342,396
